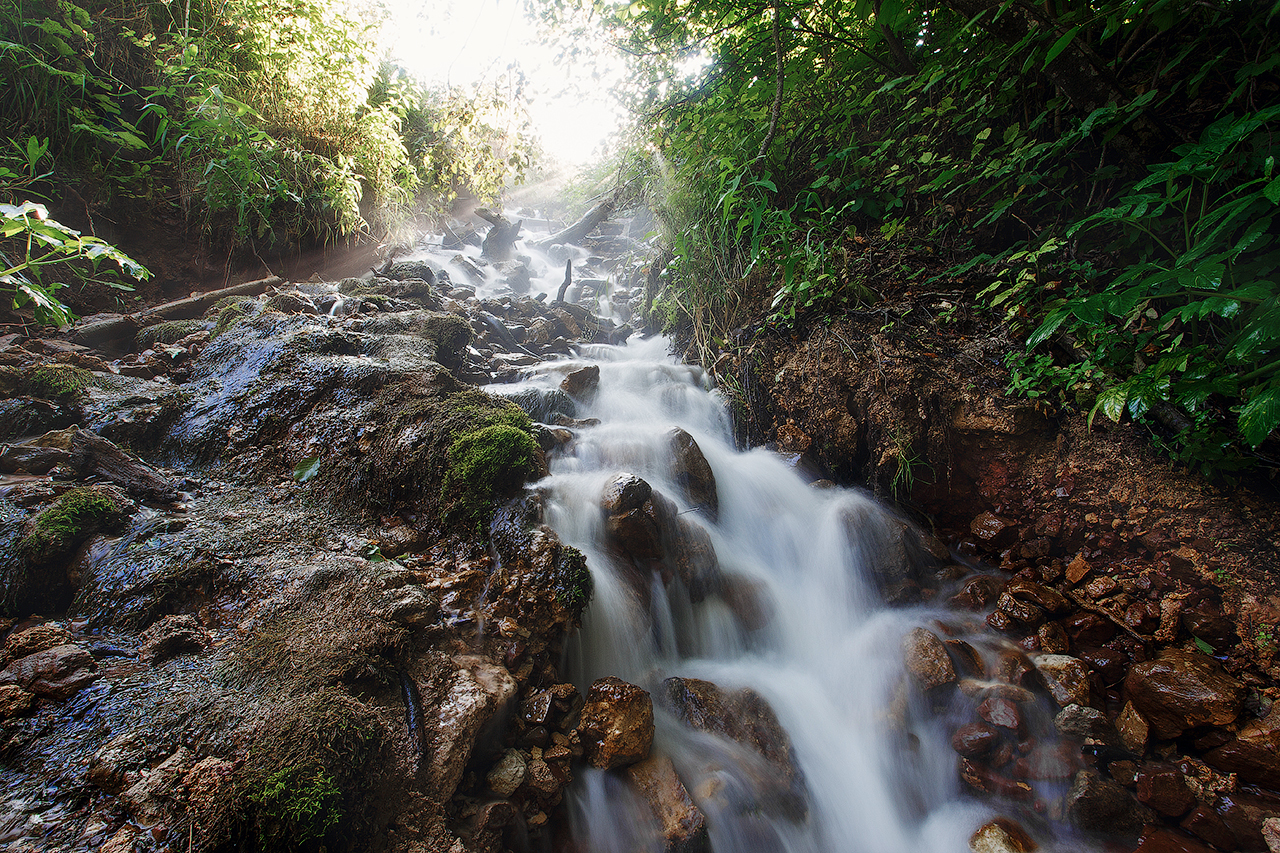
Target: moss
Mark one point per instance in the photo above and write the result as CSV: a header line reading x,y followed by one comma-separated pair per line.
x,y
232,314
10,380
55,380
573,585
168,332
75,515
482,465
296,807
449,332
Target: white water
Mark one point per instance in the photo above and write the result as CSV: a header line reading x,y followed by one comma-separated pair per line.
x,y
828,661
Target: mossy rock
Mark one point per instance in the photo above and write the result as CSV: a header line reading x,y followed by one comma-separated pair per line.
x,y
485,464
10,380
22,416
291,302
168,332
231,314
572,585
55,381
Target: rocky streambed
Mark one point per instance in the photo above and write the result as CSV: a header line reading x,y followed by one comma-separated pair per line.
x,y
275,578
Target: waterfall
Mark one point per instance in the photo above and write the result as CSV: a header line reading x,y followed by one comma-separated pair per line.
x,y
795,614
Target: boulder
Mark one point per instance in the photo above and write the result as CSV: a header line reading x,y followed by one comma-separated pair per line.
x,y
57,673
1098,805
37,638
683,826
15,701
745,717
507,774
1254,753
926,659
581,384
1181,690
692,474
172,636
1066,677
1001,835
1161,788
617,724
1157,839
974,739
476,694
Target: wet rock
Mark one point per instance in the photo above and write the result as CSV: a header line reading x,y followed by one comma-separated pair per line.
x,y
1053,639
57,673
966,658
1098,805
978,593
15,701
1043,597
581,384
1161,787
479,691
682,824
1066,677
745,717
37,638
508,774
1000,712
993,529
624,493
150,797
1207,825
689,549
1001,835
617,724
1081,721
173,636
926,659
1088,629
1157,839
974,739
119,763
1181,690
543,780
1254,753
692,474
748,599
124,841
1133,727
1271,833
415,270
1023,612
1110,664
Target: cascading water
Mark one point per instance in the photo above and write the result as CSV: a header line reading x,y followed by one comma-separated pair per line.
x,y
794,614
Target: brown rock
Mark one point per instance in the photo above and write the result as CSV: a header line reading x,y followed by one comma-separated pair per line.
x,y
15,701
1204,823
1101,806
1108,663
748,599
476,693
926,659
692,474
1082,722
1271,833
582,383
693,556
1000,712
1254,753
124,841
1023,612
974,739
173,636
1042,596
1157,839
148,798
617,724
58,673
1066,677
1078,569
1181,690
978,593
542,779
745,717
1162,788
990,527
1088,629
1053,639
1001,835
683,827
37,638
1134,730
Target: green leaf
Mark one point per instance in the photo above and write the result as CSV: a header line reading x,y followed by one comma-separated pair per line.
x,y
1112,400
1260,416
1272,191
1203,646
306,469
1060,45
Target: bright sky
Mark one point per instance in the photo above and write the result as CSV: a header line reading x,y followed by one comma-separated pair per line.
x,y
462,42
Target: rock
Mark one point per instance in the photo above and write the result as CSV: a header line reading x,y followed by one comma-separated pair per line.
x,y
974,739
1001,835
1066,677
926,659
1108,663
745,717
148,799
542,779
624,493
479,691
1157,839
118,764
1254,753
683,826
1043,597
172,636
1181,690
692,474
1162,788
1101,806
208,782
1081,721
37,638
617,724
689,550
581,384
124,841
57,673
1207,825
1088,629
1000,712
1134,730
1271,833
507,774
1053,639
991,528
15,701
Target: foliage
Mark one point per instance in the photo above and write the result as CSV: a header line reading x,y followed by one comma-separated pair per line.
x,y
296,808
1101,172
485,463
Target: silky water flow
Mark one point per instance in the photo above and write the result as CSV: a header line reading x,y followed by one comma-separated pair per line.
x,y
877,772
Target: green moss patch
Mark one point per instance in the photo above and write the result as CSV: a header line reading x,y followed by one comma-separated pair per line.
x,y
55,380
78,513
573,585
168,332
231,313
485,464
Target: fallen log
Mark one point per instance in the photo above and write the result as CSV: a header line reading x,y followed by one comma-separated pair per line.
x,y
104,332
577,231
88,454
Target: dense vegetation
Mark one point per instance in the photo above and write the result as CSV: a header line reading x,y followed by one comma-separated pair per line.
x,y
257,122
1101,174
